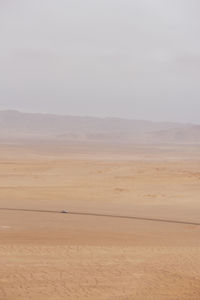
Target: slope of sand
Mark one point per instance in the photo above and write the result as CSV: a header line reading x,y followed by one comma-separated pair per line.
x,y
62,256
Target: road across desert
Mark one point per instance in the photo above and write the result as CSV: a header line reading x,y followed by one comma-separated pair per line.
x,y
131,232
103,215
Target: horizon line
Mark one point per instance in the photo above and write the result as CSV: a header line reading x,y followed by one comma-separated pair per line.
x,y
96,117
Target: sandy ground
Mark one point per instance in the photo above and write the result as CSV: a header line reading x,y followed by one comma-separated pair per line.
x,y
62,256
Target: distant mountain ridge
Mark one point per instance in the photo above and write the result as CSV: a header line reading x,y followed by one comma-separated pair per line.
x,y
15,124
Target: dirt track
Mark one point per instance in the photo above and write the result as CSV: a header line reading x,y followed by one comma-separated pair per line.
x,y
102,215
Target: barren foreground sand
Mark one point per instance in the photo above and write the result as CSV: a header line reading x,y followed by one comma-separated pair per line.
x,y
64,256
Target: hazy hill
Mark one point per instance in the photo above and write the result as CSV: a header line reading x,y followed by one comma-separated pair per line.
x,y
14,124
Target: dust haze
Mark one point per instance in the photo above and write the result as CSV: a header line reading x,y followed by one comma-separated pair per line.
x,y
99,150
130,59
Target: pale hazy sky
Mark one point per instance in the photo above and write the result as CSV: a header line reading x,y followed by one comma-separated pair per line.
x,y
126,58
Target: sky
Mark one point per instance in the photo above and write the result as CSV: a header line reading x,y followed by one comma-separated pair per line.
x,y
137,59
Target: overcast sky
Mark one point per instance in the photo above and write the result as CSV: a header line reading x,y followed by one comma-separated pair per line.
x,y
136,59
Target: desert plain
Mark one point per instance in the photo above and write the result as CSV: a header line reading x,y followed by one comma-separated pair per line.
x,y
50,255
